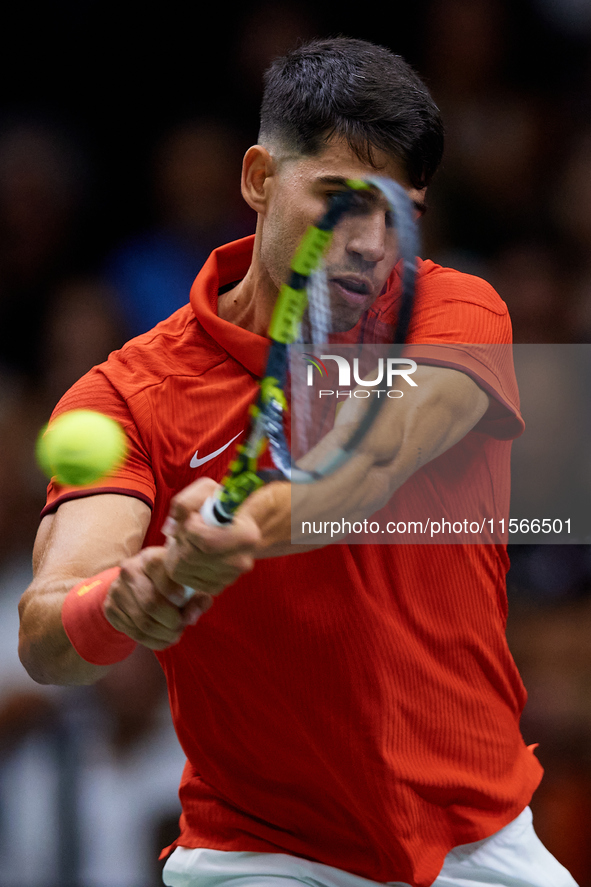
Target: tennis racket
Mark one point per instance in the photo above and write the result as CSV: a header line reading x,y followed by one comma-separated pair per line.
x,y
307,288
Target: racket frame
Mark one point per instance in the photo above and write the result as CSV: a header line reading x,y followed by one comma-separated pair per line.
x,y
266,414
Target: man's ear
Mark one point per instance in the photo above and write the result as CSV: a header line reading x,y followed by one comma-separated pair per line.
x,y
258,168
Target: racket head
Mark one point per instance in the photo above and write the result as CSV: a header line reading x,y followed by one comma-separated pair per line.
x,y
403,220
303,311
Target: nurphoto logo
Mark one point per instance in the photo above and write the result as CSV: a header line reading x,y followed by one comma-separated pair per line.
x,y
388,371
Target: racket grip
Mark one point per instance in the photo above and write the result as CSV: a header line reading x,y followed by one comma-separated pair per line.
x,y
213,518
211,514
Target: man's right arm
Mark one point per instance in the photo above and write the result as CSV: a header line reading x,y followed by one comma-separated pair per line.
x,y
84,537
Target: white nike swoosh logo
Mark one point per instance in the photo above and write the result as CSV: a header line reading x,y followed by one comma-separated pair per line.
x,y
195,462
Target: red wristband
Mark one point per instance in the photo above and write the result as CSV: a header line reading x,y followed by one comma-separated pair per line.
x,y
88,629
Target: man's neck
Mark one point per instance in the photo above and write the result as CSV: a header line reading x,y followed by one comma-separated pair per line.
x,y
249,304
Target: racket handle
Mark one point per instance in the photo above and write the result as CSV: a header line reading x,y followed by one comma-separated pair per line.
x,y
209,512
219,510
212,515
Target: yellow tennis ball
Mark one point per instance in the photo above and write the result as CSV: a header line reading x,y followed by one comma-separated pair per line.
x,y
80,447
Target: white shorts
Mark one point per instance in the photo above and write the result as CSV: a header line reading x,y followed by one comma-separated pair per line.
x,y
512,857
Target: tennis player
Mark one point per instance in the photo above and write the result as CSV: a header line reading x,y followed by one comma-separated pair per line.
x,y
350,714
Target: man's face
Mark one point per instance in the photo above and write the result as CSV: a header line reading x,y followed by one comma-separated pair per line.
x,y
364,247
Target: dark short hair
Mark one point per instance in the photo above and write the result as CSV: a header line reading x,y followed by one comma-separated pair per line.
x,y
356,90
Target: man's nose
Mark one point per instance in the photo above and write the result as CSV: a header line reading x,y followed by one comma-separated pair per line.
x,y
367,237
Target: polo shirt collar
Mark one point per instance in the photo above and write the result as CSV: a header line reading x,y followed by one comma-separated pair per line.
x,y
226,265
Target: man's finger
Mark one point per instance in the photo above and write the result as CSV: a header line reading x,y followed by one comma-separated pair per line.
x,y
192,498
136,598
198,604
154,565
149,606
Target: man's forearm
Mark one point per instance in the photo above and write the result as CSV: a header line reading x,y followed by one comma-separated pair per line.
x,y
271,508
84,537
44,647
403,439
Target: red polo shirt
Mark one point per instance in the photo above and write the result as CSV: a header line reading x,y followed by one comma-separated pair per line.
x,y
355,705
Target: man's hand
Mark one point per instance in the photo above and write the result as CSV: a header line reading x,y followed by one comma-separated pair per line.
x,y
147,605
203,557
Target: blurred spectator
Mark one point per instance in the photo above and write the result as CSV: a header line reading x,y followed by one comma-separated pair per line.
x,y
197,207
536,280
28,712
487,192
548,574
554,394
269,29
572,17
130,766
43,176
551,649
81,328
85,324
88,778
571,204
571,188
465,47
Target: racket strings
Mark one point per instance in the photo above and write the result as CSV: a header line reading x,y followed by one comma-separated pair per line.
x,y
315,329
402,213
319,309
306,267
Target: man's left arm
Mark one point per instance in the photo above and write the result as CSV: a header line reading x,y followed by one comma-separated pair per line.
x,y
408,433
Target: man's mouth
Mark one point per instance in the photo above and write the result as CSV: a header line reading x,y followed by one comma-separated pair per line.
x,y
354,290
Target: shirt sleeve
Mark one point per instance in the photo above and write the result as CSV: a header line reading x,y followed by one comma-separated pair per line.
x,y
97,391
460,322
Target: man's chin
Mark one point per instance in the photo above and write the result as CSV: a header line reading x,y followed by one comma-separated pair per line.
x,y
346,324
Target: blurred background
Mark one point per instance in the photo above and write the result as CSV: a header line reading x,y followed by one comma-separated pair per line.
x,y
121,134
